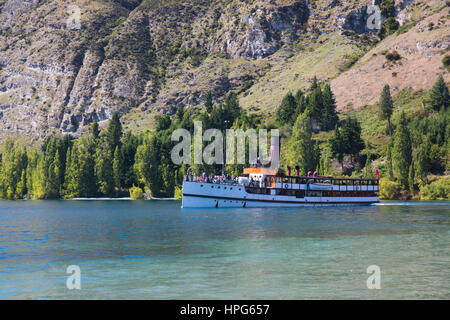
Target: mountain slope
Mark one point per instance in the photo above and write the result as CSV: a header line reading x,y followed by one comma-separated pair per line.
x,y
144,57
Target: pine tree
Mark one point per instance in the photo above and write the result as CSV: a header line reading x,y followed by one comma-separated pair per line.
x,y
287,109
303,151
439,97
180,114
423,161
38,179
104,172
209,102
314,84
21,189
147,163
329,115
315,105
232,110
337,147
301,103
31,167
386,106
53,182
402,151
95,132
86,172
118,168
129,147
114,132
351,137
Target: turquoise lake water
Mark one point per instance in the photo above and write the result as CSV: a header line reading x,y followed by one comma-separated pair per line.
x,y
155,250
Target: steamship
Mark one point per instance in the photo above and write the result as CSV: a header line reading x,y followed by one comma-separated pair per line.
x,y
262,187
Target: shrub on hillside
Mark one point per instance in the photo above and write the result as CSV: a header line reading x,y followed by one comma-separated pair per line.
x,y
446,61
393,56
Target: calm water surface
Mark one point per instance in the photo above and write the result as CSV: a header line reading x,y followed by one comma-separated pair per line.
x,y
155,250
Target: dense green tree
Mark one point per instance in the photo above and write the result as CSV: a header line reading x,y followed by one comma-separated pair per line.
x,y
423,161
118,169
209,102
389,26
21,189
179,114
147,163
53,178
386,106
303,150
337,147
114,132
387,8
39,184
301,102
402,151
287,109
104,172
351,137
439,96
232,110
129,147
164,122
94,130
329,116
315,105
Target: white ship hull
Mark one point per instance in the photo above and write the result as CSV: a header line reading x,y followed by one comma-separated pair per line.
x,y
209,195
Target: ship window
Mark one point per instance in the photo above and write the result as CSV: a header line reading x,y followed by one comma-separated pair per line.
x,y
218,187
201,186
225,188
231,188
212,187
239,189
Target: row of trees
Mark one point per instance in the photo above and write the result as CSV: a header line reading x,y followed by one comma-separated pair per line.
x,y
418,146
109,163
92,166
319,105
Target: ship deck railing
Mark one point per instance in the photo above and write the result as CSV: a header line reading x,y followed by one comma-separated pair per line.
x,y
291,180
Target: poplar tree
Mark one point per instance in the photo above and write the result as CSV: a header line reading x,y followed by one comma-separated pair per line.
x,y
147,163
402,151
104,172
118,168
386,106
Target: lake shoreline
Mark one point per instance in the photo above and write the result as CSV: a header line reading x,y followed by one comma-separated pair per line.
x,y
95,199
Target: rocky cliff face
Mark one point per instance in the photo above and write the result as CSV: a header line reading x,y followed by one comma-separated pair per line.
x,y
139,57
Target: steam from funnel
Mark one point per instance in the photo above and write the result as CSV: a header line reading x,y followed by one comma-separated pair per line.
x,y
275,151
